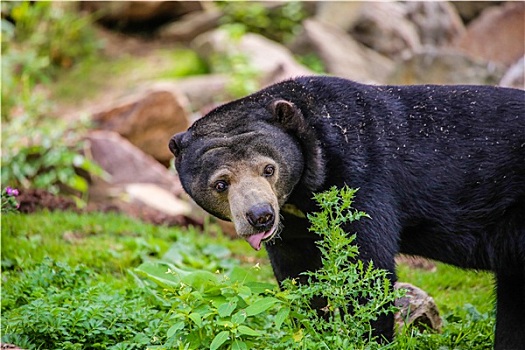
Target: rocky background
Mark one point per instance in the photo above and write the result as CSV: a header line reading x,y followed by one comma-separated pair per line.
x,y
371,42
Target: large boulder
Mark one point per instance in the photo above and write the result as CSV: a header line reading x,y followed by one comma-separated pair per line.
x,y
190,26
445,66
342,14
515,75
497,35
397,29
136,184
126,164
469,10
147,117
265,56
203,91
342,55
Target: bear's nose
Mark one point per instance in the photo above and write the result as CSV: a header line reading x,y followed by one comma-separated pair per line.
x,y
261,217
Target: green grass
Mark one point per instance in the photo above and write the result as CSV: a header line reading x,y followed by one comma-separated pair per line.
x,y
99,75
452,287
88,262
109,243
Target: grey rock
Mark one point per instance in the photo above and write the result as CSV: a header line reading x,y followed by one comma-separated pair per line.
x,y
190,26
342,55
264,55
445,66
417,308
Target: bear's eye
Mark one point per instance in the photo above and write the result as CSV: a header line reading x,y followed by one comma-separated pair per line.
x,y
220,186
269,170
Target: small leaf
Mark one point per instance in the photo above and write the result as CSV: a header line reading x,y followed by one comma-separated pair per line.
x,y
261,306
298,336
248,331
219,340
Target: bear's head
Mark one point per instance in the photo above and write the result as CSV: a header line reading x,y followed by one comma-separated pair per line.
x,y
241,162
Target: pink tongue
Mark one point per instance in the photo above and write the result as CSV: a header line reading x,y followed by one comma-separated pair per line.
x,y
255,240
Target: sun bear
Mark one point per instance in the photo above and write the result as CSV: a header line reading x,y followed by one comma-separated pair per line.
x,y
440,171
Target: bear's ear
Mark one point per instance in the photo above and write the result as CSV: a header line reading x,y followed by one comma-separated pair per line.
x,y
292,119
175,144
287,114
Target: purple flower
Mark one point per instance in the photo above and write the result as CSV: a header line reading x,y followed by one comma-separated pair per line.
x,y
11,191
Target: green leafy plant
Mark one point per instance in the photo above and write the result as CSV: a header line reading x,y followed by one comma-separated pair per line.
x,y
280,23
48,157
55,306
211,310
312,61
243,75
38,151
355,292
42,38
231,310
195,294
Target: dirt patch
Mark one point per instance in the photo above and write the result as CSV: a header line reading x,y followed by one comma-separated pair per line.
x,y
34,200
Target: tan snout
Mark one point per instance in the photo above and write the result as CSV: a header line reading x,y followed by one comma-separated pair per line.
x,y
253,205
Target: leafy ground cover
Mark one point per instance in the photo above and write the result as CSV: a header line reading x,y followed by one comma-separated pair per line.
x,y
104,281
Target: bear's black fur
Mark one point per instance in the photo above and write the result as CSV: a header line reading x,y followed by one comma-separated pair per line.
x,y
441,172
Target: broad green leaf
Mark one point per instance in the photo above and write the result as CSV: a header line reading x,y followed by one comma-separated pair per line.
x,y
77,183
261,305
240,274
282,314
195,317
239,317
248,331
219,340
201,280
175,328
225,323
163,274
239,345
217,251
227,308
244,291
176,253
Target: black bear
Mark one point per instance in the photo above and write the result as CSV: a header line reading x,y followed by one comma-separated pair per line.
x,y
441,172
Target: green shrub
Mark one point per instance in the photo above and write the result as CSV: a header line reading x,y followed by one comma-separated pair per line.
x,y
243,76
45,153
342,281
279,23
54,306
232,310
45,37
39,151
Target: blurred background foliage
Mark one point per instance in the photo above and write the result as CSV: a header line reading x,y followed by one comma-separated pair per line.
x,y
38,150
